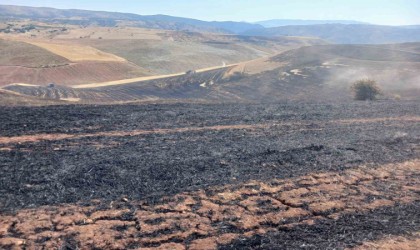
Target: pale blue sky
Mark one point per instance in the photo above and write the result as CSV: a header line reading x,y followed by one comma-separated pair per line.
x,y
389,12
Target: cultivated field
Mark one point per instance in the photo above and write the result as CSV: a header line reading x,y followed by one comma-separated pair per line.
x,y
15,53
195,176
312,73
76,53
40,54
33,61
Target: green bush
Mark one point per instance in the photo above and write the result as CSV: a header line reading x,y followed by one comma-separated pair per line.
x,y
365,89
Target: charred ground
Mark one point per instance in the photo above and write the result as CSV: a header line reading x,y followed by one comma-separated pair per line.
x,y
279,141
103,157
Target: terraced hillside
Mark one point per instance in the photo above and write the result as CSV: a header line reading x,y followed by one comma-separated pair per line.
x,y
226,176
72,55
71,74
312,73
45,62
175,52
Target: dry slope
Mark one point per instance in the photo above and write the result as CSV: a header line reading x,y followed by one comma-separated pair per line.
x,y
308,73
44,62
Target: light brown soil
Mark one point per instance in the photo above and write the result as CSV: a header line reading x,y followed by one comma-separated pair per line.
x,y
252,208
393,243
52,137
253,67
77,53
27,55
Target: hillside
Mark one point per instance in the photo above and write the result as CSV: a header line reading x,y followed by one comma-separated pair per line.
x,y
408,47
9,98
127,131
15,53
111,19
177,51
346,33
44,62
43,45
335,31
312,73
71,74
326,72
74,55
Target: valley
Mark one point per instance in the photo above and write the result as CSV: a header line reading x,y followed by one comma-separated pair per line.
x,y
307,73
159,132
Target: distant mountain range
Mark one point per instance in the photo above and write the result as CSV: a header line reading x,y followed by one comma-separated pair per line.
x,y
346,33
102,18
287,22
335,31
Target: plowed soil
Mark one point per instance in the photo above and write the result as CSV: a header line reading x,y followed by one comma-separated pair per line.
x,y
71,73
194,176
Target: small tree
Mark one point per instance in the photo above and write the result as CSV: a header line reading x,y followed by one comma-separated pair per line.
x,y
365,89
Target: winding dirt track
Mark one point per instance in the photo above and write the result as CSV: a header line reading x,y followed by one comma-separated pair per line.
x,y
200,219
146,78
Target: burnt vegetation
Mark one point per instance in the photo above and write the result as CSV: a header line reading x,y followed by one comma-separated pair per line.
x,y
229,176
265,141
366,89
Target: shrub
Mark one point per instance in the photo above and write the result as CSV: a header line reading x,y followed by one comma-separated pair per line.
x,y
365,89
397,97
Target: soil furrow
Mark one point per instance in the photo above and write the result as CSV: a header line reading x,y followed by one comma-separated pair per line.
x,y
55,137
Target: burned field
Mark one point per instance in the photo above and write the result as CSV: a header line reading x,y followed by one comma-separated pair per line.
x,y
207,176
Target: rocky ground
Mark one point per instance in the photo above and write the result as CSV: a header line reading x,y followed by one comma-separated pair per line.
x,y
204,176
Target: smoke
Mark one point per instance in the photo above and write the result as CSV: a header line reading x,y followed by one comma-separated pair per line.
x,y
397,78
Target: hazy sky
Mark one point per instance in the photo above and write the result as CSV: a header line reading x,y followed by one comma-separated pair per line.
x,y
390,12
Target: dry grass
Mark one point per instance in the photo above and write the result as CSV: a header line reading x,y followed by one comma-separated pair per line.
x,y
77,53
111,33
255,66
19,53
393,243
